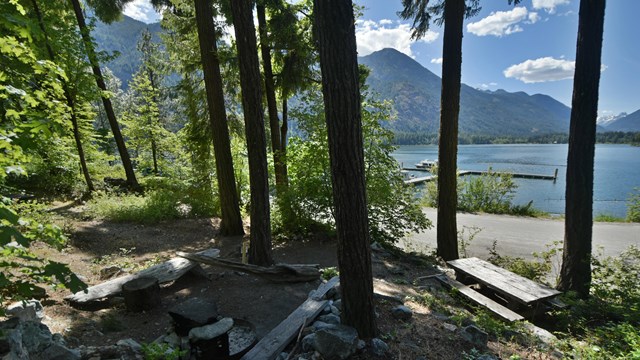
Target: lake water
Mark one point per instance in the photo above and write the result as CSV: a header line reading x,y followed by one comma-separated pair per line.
x,y
617,171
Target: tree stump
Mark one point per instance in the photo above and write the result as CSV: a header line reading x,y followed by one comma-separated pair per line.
x,y
211,341
141,294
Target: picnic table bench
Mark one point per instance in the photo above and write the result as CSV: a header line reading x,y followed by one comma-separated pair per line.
x,y
520,294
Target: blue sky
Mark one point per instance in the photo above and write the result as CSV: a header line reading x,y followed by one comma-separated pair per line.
x,y
529,47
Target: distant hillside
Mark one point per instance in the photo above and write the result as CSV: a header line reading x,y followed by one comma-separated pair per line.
x,y
627,123
122,36
415,92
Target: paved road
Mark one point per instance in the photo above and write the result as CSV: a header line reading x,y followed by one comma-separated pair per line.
x,y
521,236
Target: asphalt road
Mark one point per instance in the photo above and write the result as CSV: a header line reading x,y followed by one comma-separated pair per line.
x,y
521,236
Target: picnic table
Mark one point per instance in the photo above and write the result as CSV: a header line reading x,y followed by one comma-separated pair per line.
x,y
518,291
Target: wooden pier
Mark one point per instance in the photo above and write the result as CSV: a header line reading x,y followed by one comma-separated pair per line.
x,y
424,179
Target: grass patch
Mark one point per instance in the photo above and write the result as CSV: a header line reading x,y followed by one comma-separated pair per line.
x,y
164,199
608,218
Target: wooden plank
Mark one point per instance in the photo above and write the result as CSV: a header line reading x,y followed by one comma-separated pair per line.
x,y
165,272
269,347
276,273
505,282
480,299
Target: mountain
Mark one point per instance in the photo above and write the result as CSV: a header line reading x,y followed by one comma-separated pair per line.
x,y
415,93
123,36
605,120
630,122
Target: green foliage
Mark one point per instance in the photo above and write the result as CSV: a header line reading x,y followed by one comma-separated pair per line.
x,y
607,218
491,192
464,241
329,272
392,206
539,269
633,206
164,199
22,271
161,351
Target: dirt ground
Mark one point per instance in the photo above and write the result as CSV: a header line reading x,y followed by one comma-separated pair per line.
x,y
98,244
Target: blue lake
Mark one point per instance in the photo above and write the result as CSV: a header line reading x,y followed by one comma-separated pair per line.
x,y
617,171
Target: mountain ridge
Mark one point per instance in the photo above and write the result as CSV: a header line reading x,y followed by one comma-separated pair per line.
x,y
630,122
415,92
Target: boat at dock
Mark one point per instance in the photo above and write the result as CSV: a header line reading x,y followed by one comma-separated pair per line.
x,y
427,164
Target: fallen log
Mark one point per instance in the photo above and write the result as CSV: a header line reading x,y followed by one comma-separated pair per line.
x,y
278,338
165,272
286,273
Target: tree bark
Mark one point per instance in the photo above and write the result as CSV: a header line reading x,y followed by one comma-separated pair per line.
x,y
270,93
334,25
229,200
260,244
576,260
284,129
108,107
69,99
448,145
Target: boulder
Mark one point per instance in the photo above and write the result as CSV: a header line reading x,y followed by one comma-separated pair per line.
x,y
330,319
336,342
402,312
29,310
379,347
195,312
475,336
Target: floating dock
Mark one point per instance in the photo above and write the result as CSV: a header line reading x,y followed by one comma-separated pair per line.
x,y
424,179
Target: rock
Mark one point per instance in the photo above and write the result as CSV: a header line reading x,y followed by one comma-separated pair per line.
x,y
475,336
318,325
450,327
439,316
330,319
283,356
33,340
379,347
29,310
130,343
335,311
336,342
326,310
211,331
361,345
338,304
486,357
402,312
192,313
308,342
211,341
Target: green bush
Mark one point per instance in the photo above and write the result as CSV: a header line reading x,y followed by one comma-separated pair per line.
x,y
308,205
164,199
633,206
21,270
491,192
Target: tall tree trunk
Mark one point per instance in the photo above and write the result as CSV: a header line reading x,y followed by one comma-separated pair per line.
x,y
154,146
448,144
108,107
270,92
229,200
284,129
70,103
260,245
334,24
576,260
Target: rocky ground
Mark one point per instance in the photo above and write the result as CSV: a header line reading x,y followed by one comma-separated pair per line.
x,y
412,322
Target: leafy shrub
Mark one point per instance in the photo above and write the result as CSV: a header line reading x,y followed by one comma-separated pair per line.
x,y
164,199
633,207
491,192
392,207
22,270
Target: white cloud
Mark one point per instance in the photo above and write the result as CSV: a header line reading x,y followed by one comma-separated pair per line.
x,y
436,60
533,17
373,36
142,10
543,70
500,23
548,5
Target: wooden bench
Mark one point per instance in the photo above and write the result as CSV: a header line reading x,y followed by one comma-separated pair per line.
x,y
521,294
